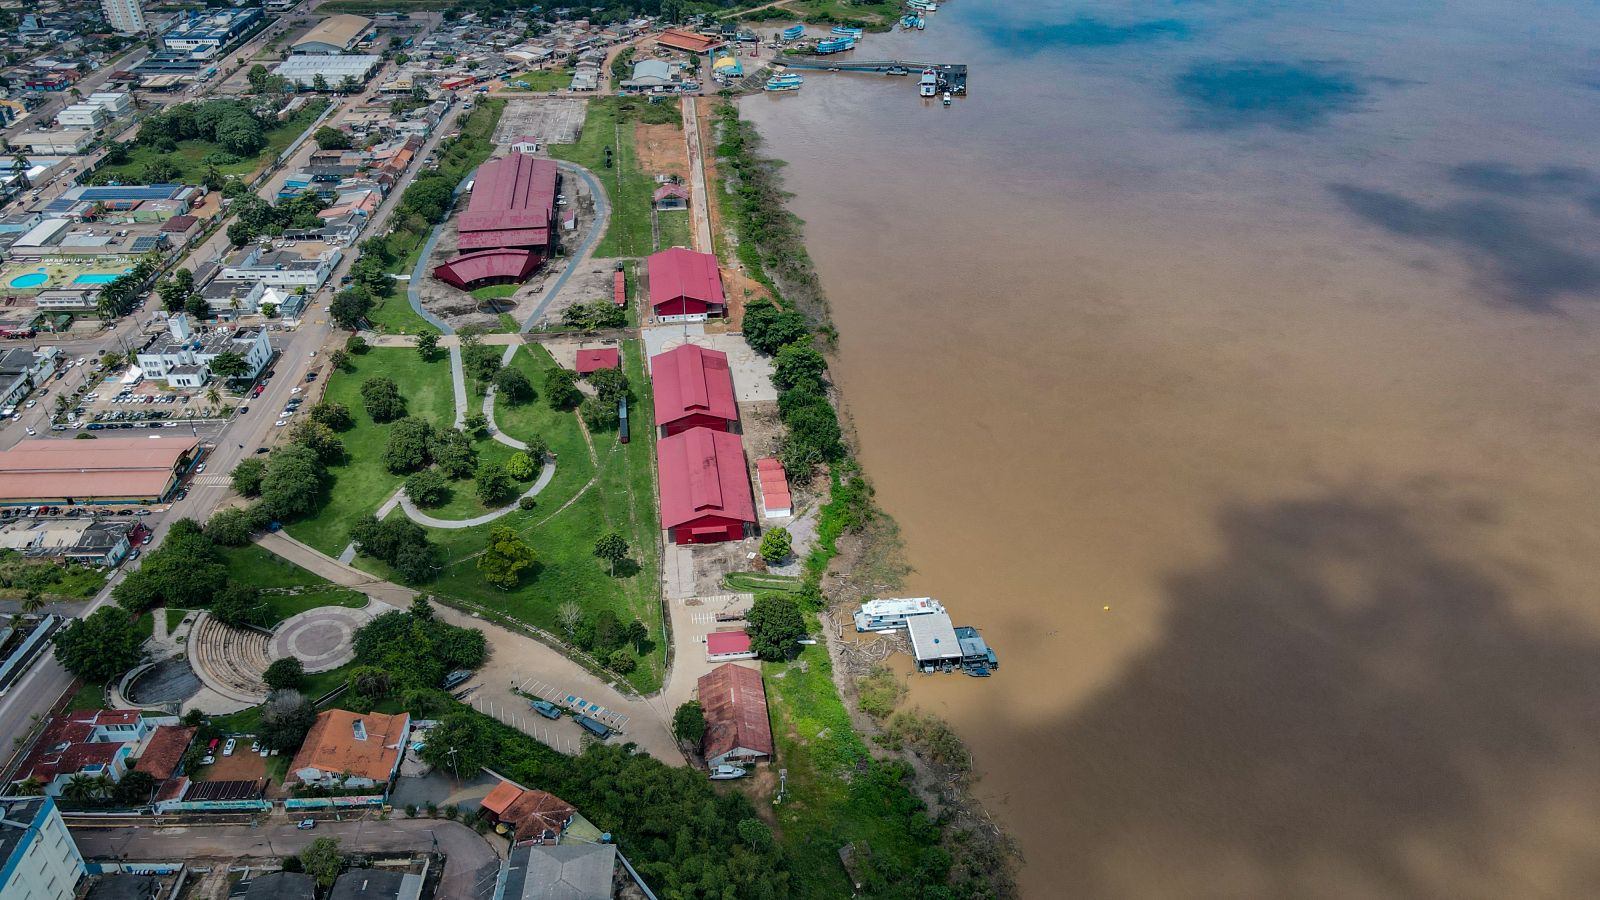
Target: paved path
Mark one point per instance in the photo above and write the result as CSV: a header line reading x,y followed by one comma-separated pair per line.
x,y
697,178
515,659
458,382
414,286
468,871
602,216
488,408
422,518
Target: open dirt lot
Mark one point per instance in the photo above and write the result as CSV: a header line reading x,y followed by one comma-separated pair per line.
x,y
661,149
552,121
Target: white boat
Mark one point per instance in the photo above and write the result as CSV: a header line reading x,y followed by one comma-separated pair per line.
x,y
891,613
929,85
946,98
726,773
788,82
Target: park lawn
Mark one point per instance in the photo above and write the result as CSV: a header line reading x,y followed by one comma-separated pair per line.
x,y
829,803
146,624
262,569
361,482
463,502
393,314
284,606
559,429
190,155
88,696
541,80
246,721
495,291
175,618
609,122
672,229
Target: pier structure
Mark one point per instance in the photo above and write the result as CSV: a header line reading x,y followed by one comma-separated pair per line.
x,y
952,76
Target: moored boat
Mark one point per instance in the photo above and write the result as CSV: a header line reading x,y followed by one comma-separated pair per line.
x,y
928,86
794,32
847,32
835,45
786,82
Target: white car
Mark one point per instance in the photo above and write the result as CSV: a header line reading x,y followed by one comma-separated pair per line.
x,y
200,468
30,432
227,749
32,404
281,422
295,390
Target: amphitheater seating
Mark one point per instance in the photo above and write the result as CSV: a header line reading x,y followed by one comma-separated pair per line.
x,y
231,660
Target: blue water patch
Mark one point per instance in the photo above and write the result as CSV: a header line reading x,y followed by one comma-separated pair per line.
x,y
97,278
1086,31
30,280
1248,93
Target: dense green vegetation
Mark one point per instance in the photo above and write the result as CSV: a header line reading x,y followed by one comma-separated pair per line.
x,y
609,123
195,143
46,579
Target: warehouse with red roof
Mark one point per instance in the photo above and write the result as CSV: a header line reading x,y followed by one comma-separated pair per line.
x,y
705,487
735,705
693,389
508,227
685,286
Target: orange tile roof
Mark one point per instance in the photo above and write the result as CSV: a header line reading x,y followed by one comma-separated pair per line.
x,y
332,746
504,794
165,750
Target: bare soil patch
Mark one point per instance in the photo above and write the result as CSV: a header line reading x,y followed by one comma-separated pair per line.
x,y
662,150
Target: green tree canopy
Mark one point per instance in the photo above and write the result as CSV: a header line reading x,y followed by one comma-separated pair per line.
x,y
561,388
381,397
689,722
428,488
774,626
775,545
333,414
612,547
101,646
247,476
284,673
494,483
512,386
504,558
322,859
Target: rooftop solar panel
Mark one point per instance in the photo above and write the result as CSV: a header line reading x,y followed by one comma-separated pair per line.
x,y
144,243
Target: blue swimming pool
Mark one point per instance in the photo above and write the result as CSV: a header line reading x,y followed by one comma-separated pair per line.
x,y
30,280
98,278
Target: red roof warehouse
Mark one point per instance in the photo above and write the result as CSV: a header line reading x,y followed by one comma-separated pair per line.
x,y
693,389
705,487
735,704
685,286
506,230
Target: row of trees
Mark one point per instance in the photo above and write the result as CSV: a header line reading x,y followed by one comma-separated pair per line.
x,y
122,294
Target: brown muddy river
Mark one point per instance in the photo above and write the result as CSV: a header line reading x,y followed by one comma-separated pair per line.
x,y
1232,365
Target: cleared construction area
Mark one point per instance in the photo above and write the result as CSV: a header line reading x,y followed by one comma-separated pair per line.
x,y
552,121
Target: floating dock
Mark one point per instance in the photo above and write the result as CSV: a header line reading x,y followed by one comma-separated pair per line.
x,y
952,76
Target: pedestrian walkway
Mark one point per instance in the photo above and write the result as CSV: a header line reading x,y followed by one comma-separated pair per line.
x,y
602,215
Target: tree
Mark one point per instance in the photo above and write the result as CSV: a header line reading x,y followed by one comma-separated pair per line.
x,y
522,467
350,306
512,386
479,361
370,683
475,424
285,673
420,609
381,397
454,454
286,717
231,527
320,438
319,83
86,788
797,363
339,360
599,414
569,616
689,722
356,345
461,743
197,308
100,647
609,384
613,548
767,328
333,414
774,626
135,789
621,662
329,138
427,343
293,483
561,388
407,449
321,859
247,476
635,634
428,488
494,484
175,291
504,558
399,542
775,545
239,605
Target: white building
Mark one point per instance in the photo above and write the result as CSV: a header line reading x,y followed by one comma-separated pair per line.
x,y
183,359
115,103
303,69
83,115
38,858
230,299
21,370
124,16
305,266
55,143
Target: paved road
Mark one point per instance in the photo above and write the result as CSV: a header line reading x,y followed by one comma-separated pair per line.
x,y
470,862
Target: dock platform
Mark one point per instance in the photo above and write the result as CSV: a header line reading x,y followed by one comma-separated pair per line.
x,y
952,76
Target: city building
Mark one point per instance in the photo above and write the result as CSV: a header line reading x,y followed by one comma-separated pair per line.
x,y
376,884
704,487
693,389
207,35
280,886
55,143
21,370
562,872
163,753
725,646
38,858
687,41
651,76
671,196
90,742
533,817
86,540
335,34
305,264
183,359
351,750
83,115
115,103
124,16
38,471
685,286
597,358
776,500
507,229
735,705
526,144
304,69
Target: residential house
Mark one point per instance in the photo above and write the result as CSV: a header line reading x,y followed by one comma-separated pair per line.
x,y
352,750
533,816
89,742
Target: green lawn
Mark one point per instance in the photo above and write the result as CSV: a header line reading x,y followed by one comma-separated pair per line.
x,y
361,483
190,155
672,229
285,605
463,502
393,314
175,618
829,803
495,291
89,696
622,498
146,625
609,122
245,721
541,80
258,568
856,13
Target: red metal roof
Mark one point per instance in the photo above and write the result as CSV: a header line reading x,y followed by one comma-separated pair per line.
x,y
678,39
691,379
513,237
597,359
671,189
774,485
703,474
735,706
109,467
514,192
684,274
462,271
720,642
619,288
178,223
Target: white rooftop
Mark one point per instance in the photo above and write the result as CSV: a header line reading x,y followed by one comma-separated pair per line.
x,y
933,637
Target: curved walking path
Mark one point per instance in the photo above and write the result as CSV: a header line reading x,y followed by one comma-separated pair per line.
x,y
422,518
602,218
514,659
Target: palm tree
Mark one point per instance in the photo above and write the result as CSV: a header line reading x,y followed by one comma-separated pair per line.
x,y
82,788
30,787
32,602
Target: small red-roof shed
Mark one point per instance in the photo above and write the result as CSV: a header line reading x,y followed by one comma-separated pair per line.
x,y
685,286
693,389
597,359
619,288
705,487
776,500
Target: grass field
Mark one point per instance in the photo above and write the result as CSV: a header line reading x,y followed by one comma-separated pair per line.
x,y
609,122
256,567
89,696
175,618
361,483
622,497
245,721
495,291
393,314
52,580
190,155
762,581
672,230
541,80
463,502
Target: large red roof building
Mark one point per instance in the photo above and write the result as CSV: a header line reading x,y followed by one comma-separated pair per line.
x,y
735,706
508,227
685,286
705,487
693,389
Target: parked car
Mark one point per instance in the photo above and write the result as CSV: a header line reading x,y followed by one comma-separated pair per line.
x,y
227,749
306,824
207,760
134,553
594,727
546,708
280,423
261,450
200,468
